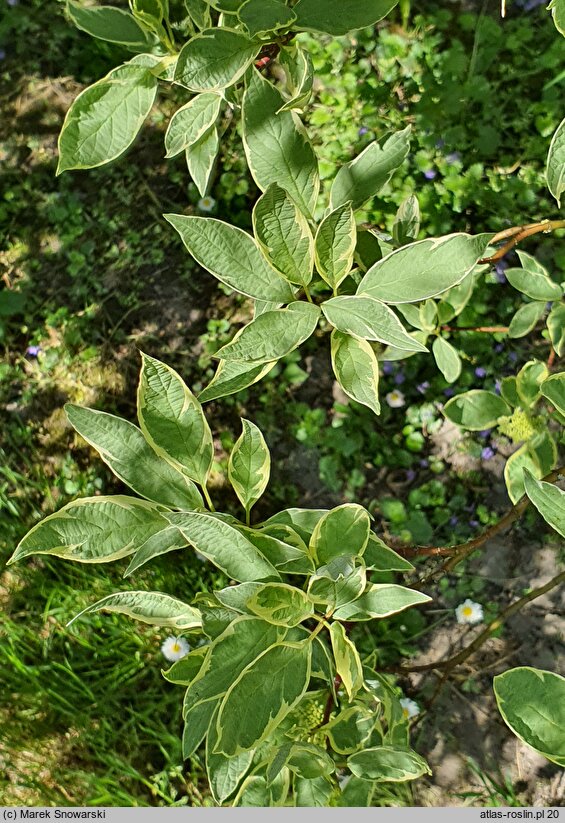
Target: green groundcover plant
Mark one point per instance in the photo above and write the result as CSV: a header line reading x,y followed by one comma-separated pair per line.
x,y
278,692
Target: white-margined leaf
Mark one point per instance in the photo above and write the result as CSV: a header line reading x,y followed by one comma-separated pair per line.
x,y
339,17
172,420
232,376
347,660
388,764
476,410
554,389
555,170
272,335
299,71
447,359
558,13
548,499
526,319
237,646
122,446
103,121
93,530
111,24
201,158
365,176
214,59
407,222
170,539
280,604
224,546
356,369
343,531
532,703
380,600
191,122
363,316
262,696
284,235
424,269
155,608
534,282
231,255
277,147
336,239
263,16
556,327
249,465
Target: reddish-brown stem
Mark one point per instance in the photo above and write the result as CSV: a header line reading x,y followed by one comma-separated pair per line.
x,y
490,329
460,657
519,233
460,551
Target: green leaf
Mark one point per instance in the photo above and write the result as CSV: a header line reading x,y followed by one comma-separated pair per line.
x,y
104,119
312,793
476,410
239,645
299,71
556,328
447,359
554,389
231,255
263,16
272,335
509,391
277,148
309,761
262,696
558,12
172,420
167,540
356,369
350,729
123,448
280,604
224,545
424,269
336,239
191,122
363,316
224,773
379,557
548,499
201,158
388,764
528,381
555,170
302,521
343,531
232,376
283,233
534,284
337,583
154,608
289,557
525,319
537,456
340,16
215,59
249,465
380,600
229,6
357,793
347,660
199,11
183,671
407,222
111,24
365,176
93,530
532,703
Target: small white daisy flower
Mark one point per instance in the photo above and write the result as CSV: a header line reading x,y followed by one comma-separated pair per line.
x,y
469,612
206,203
175,648
395,399
409,708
